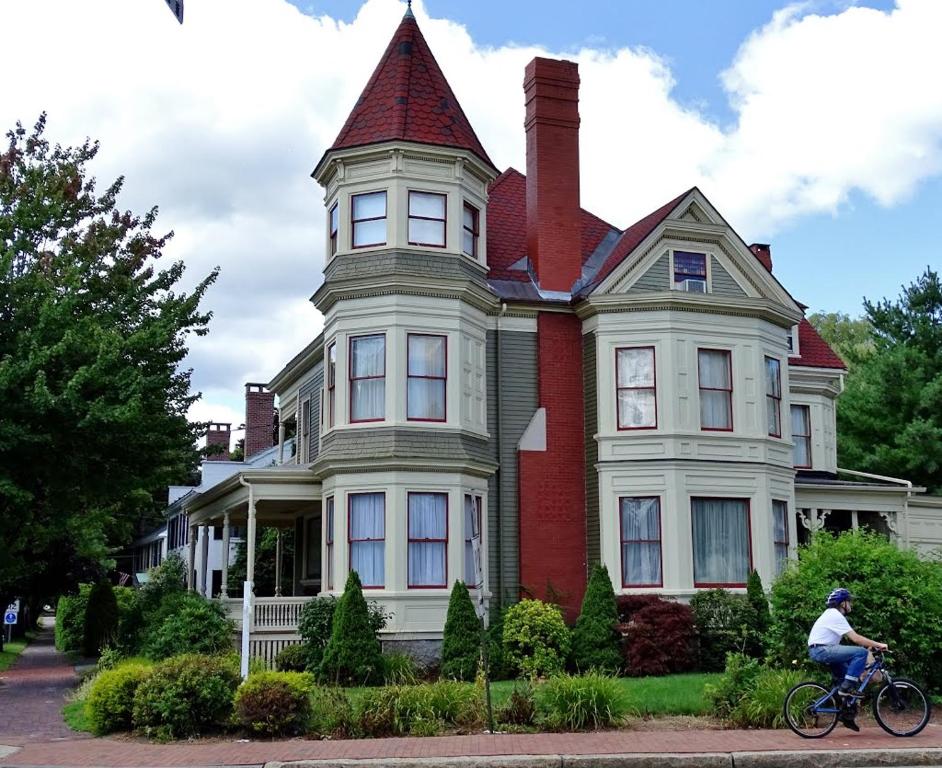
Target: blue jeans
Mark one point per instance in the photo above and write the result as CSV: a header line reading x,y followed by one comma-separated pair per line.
x,y
848,660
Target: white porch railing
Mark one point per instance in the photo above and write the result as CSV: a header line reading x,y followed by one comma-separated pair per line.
x,y
275,625
281,613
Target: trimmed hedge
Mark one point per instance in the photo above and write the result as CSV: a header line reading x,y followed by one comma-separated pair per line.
x,y
291,658
725,624
70,619
275,703
536,639
110,703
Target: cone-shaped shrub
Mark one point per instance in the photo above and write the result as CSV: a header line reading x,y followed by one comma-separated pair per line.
x,y
101,618
761,616
595,639
353,655
461,644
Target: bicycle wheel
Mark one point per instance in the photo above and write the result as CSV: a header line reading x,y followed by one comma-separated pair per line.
x,y
901,708
810,710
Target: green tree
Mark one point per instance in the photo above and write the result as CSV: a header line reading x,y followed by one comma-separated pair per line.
x,y
890,415
850,337
101,618
92,337
760,615
353,655
461,642
595,641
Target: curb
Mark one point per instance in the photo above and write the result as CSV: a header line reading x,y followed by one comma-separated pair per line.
x,y
863,758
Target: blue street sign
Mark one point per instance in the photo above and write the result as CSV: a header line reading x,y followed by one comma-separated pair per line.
x,y
9,617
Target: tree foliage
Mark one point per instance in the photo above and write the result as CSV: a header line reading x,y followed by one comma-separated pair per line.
x,y
850,337
595,639
92,335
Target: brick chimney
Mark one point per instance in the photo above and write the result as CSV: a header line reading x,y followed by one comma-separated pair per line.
x,y
218,434
763,252
259,419
554,234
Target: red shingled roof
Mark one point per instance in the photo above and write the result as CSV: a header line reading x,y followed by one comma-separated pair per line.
x,y
408,99
507,227
815,352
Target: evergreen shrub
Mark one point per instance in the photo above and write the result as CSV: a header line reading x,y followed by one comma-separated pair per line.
x,y
110,701
187,623
70,619
101,618
461,642
761,617
292,658
595,637
353,655
186,695
724,623
658,636
315,625
275,703
580,702
536,639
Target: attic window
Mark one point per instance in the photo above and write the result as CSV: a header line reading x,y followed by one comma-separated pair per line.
x,y
690,272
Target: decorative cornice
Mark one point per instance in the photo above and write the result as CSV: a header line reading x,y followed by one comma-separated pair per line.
x,y
324,468
675,301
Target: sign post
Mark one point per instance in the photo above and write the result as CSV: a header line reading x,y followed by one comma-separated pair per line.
x,y
10,617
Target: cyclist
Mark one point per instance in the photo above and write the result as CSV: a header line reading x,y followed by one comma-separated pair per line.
x,y
824,647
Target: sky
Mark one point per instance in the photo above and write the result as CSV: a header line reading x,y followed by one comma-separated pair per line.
x,y
814,126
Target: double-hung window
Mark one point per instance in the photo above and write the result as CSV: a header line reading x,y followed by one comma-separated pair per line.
x,y
427,219
773,395
303,449
469,231
801,435
722,553
428,539
368,378
427,374
690,267
331,382
334,227
329,539
640,542
312,548
368,219
635,383
780,534
714,367
472,528
367,536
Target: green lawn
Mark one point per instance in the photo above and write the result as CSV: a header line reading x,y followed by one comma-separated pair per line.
x,y
74,715
11,651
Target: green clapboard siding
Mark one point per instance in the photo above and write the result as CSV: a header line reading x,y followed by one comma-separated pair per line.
x,y
722,282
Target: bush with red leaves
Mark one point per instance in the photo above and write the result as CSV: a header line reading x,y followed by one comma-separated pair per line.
x,y
658,635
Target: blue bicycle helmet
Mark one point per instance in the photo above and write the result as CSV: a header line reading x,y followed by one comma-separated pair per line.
x,y
838,596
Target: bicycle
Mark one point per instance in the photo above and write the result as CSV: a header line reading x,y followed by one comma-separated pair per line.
x,y
900,706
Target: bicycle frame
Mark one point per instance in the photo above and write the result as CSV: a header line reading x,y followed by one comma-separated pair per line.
x,y
878,666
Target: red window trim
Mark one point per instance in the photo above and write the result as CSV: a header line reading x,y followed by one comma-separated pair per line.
x,y
474,231
729,395
774,397
351,541
331,382
622,542
354,222
351,378
432,378
652,388
333,224
444,220
807,410
468,535
712,585
410,540
329,514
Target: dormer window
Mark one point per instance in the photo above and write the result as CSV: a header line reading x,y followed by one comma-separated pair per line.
x,y
793,342
690,272
334,225
368,219
469,241
427,219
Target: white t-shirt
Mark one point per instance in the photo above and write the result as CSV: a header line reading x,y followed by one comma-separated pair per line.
x,y
830,627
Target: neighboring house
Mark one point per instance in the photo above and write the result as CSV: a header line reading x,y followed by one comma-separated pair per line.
x,y
650,398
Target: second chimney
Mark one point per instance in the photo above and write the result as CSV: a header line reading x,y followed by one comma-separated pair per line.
x,y
554,232
259,419
763,252
217,441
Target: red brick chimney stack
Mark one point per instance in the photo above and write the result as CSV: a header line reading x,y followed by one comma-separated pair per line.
x,y
763,252
218,434
554,235
259,419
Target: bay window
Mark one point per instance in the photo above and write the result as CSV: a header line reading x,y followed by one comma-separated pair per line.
x,y
368,219
428,539
367,537
636,390
469,231
427,374
773,396
722,552
780,534
427,219
368,378
640,542
714,368
801,435
472,528
329,539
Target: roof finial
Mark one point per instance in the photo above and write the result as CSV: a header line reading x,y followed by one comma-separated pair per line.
x,y
408,14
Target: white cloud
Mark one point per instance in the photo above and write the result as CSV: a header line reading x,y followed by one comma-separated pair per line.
x,y
221,120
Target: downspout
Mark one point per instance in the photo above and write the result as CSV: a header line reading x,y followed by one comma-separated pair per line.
x,y
500,496
248,614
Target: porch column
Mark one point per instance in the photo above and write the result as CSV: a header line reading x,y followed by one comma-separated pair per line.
x,y
191,565
281,442
225,555
278,562
248,598
204,565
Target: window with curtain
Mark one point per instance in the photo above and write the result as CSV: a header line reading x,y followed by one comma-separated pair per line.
x,y
312,548
329,539
334,227
780,534
716,389
636,390
469,242
331,382
640,542
722,556
801,435
425,389
427,219
773,395
367,536
472,526
689,266
368,378
428,539
368,219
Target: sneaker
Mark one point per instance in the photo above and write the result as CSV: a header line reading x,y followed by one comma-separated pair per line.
x,y
849,722
846,689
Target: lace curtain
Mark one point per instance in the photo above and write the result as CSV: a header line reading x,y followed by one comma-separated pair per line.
x,y
640,541
636,394
367,537
428,534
